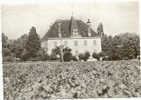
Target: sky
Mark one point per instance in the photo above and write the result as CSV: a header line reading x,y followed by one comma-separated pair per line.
x,y
116,17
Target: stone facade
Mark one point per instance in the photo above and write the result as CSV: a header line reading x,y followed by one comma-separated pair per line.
x,y
89,41
78,45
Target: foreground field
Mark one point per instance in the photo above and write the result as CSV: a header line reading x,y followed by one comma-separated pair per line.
x,y
42,80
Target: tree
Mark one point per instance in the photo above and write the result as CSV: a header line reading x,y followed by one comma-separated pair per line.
x,y
106,43
121,47
17,46
4,40
6,51
130,46
115,48
33,44
5,46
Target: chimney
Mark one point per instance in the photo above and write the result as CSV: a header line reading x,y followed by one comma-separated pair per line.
x,y
59,29
89,28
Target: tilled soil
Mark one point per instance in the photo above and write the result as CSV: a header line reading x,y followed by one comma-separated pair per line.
x,y
43,80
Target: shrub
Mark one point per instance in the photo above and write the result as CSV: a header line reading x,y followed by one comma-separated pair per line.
x,y
95,55
9,59
53,57
67,54
6,52
81,56
25,56
45,57
74,58
84,56
98,55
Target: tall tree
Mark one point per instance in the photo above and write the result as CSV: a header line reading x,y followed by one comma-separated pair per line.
x,y
100,29
121,46
6,52
18,45
33,43
131,45
4,40
106,43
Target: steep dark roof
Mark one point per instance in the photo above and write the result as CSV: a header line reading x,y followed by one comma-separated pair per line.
x,y
66,27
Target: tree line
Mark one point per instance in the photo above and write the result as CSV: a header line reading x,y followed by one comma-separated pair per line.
x,y
28,48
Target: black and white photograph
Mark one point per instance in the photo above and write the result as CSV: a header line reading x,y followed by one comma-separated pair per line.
x,y
71,50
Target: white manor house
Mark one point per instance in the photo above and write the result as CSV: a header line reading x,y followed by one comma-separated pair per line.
x,y
75,34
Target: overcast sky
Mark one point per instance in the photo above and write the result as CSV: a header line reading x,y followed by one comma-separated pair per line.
x,y
117,17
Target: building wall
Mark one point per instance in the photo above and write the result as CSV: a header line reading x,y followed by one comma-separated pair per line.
x,y
78,45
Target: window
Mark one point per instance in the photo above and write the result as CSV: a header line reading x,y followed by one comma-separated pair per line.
x,y
75,43
75,32
85,42
94,42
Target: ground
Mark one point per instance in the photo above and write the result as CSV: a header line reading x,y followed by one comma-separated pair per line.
x,y
43,80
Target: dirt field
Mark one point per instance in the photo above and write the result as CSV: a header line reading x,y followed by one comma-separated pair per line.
x,y
42,80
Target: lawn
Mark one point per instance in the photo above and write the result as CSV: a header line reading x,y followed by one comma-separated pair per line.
x,y
43,80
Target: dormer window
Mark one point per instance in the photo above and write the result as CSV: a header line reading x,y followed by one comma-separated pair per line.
x,y
75,32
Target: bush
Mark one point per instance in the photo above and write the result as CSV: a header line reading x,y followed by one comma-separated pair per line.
x,y
25,56
45,57
9,59
6,52
95,55
81,56
74,58
53,57
84,56
98,55
67,54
